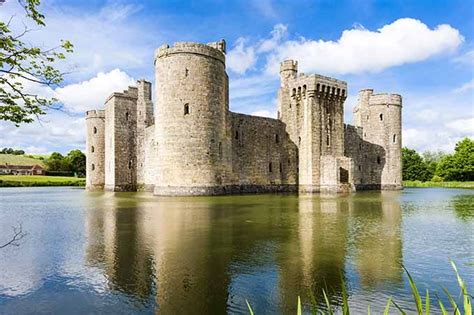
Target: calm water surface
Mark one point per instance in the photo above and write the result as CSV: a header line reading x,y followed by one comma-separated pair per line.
x,y
124,253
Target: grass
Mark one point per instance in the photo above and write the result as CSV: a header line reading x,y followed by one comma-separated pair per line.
x,y
19,160
417,183
422,308
36,180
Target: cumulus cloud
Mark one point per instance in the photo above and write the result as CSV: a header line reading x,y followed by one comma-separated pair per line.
x,y
90,94
360,50
264,113
241,58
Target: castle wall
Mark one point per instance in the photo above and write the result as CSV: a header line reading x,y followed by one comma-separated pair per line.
x,y
263,156
191,120
145,119
120,141
95,150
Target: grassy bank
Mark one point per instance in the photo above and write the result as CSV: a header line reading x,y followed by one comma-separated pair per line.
x,y
19,160
417,183
30,181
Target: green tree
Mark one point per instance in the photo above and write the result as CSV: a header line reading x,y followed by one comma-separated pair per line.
x,y
22,63
55,162
460,165
77,162
431,159
413,166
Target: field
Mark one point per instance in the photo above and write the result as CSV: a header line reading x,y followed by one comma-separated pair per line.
x,y
29,181
417,183
19,160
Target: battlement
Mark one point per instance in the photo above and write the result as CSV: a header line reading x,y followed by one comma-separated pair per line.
x,y
130,93
289,64
316,83
214,50
385,99
95,114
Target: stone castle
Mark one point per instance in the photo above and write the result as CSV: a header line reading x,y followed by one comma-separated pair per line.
x,y
190,143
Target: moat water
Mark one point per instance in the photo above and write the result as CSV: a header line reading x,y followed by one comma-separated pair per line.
x,y
122,253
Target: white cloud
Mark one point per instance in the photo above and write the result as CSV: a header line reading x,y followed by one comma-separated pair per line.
x,y
91,94
427,115
360,50
264,113
465,87
241,58
463,126
466,58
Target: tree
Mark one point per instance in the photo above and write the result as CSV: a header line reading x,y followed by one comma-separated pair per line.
x,y
431,159
77,162
21,63
55,162
460,165
413,166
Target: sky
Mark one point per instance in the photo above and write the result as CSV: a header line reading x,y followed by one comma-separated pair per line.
x,y
423,50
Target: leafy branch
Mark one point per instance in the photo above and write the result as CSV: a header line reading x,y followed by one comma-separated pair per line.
x,y
22,65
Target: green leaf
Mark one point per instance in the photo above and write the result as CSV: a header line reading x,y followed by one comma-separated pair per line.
x,y
387,307
416,294
299,306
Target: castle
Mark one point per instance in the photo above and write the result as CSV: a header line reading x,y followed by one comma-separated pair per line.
x,y
190,143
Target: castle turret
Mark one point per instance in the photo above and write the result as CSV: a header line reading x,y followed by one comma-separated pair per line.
x,y
381,119
95,150
191,119
145,119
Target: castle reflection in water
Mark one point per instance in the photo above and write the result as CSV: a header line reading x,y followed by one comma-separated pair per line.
x,y
207,255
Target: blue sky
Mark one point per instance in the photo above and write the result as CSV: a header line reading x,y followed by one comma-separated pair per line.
x,y
423,50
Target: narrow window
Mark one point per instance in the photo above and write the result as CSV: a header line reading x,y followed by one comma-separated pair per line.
x,y
277,138
381,117
186,72
126,116
281,168
360,168
299,90
328,142
333,90
93,166
343,92
378,159
317,87
270,167
237,135
289,162
95,130
130,164
304,90
92,149
367,117
186,109
338,91
299,140
323,88
293,92
220,149
394,139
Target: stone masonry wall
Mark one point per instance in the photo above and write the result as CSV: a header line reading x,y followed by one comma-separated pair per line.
x,y
95,150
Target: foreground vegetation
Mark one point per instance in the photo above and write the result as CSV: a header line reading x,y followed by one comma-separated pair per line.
x,y
422,308
38,180
417,183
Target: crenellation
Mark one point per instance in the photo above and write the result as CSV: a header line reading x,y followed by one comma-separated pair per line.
x,y
189,143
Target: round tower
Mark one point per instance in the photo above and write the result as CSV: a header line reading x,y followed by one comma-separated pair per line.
x,y
385,129
288,71
190,120
95,150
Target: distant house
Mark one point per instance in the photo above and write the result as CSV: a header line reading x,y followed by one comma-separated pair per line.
x,y
8,169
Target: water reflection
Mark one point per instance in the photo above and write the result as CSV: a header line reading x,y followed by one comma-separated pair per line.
x,y
207,255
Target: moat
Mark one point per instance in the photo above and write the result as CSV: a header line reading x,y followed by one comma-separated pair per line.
x,y
120,253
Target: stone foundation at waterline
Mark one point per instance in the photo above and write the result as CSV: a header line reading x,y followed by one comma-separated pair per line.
x,y
190,143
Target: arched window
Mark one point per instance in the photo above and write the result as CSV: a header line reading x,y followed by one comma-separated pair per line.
x,y
317,87
126,115
293,92
93,166
92,149
343,92
378,160
323,88
95,130
304,90
338,91
394,138
381,117
270,167
277,138
186,109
